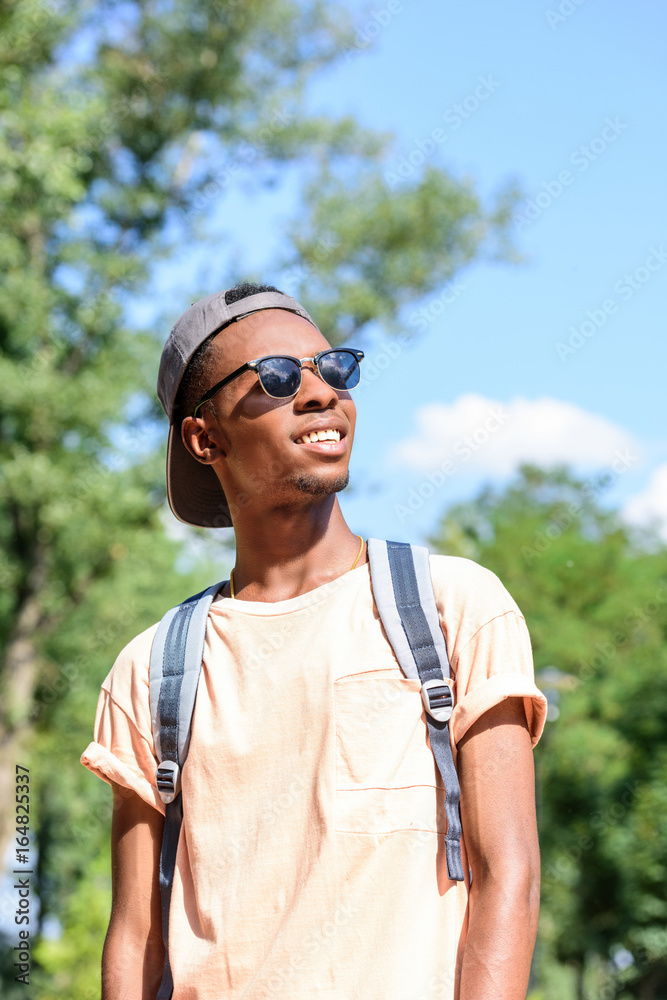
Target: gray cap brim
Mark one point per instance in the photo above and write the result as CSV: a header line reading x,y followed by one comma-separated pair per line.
x,y
194,491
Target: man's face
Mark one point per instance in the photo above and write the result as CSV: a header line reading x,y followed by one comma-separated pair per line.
x,y
253,436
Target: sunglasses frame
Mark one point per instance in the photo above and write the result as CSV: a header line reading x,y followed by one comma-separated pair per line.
x,y
253,365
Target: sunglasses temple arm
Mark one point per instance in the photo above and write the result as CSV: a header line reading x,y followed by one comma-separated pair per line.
x,y
215,389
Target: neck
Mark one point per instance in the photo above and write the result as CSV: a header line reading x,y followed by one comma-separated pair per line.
x,y
292,552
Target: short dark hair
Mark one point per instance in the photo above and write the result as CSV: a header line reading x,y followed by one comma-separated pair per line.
x,y
194,382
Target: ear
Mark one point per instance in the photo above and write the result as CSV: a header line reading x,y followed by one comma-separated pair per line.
x,y
203,439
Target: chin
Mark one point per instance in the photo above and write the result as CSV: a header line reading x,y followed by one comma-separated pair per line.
x,y
321,486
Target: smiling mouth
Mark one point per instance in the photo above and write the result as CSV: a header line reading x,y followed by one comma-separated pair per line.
x,y
313,437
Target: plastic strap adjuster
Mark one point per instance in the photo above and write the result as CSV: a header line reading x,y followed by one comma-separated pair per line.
x,y
438,698
168,780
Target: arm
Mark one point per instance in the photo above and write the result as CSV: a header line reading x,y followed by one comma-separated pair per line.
x,y
133,954
496,773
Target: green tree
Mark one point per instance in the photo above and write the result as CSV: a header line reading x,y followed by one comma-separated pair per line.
x,y
595,599
122,124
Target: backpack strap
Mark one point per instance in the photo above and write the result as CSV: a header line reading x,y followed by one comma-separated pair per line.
x,y
175,665
403,593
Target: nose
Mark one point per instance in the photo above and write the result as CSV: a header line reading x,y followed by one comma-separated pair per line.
x,y
313,388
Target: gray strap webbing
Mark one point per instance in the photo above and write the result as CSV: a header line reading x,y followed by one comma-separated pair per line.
x,y
403,593
173,819
175,665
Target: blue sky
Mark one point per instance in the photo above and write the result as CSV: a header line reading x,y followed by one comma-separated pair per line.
x,y
561,358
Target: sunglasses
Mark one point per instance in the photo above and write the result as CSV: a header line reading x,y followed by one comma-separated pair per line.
x,y
280,374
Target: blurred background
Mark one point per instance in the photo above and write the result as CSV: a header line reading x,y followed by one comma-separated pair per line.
x,y
471,194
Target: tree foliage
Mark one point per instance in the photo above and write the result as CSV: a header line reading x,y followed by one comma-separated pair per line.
x,y
596,606
371,251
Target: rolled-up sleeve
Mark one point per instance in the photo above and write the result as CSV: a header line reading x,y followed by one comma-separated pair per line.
x,y
496,663
122,748
488,645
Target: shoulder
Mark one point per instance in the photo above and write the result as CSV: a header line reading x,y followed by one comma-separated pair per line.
x,y
468,597
128,678
464,583
488,644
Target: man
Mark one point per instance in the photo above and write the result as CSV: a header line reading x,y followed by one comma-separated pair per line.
x,y
311,861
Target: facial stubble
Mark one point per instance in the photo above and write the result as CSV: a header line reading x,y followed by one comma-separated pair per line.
x,y
317,486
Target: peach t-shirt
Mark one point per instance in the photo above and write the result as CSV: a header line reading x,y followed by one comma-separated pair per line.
x,y
311,860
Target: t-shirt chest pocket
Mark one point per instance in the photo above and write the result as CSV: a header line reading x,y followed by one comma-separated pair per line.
x,y
386,776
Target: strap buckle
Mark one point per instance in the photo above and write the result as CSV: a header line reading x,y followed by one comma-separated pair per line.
x,y
168,780
438,697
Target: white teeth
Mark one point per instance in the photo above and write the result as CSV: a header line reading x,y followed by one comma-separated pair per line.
x,y
327,435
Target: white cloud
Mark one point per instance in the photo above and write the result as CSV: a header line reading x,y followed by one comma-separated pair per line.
x,y
494,437
651,504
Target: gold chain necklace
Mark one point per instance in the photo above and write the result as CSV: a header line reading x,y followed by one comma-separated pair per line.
x,y
361,545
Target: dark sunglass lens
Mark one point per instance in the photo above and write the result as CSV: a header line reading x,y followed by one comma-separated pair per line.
x,y
340,370
280,377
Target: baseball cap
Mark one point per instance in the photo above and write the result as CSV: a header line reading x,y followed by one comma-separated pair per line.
x,y
193,490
